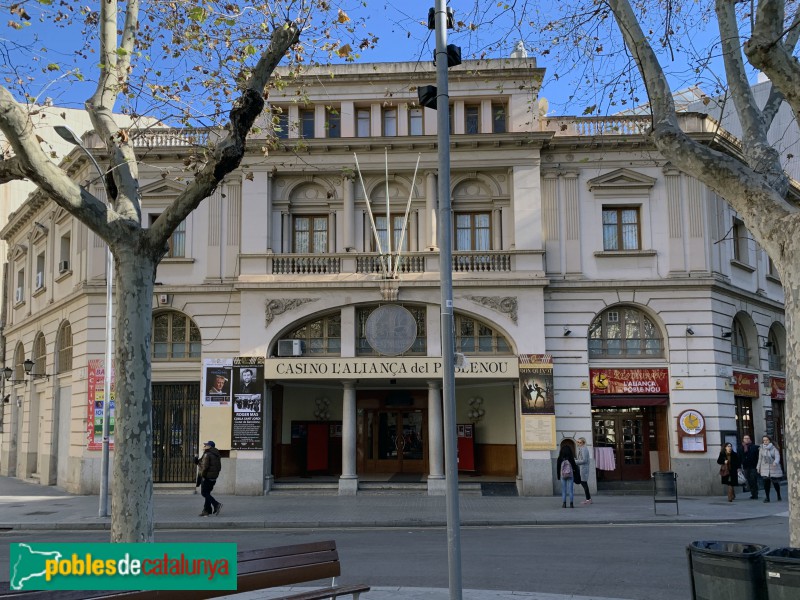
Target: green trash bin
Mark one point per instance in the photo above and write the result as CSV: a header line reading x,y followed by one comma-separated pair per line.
x,y
782,566
727,571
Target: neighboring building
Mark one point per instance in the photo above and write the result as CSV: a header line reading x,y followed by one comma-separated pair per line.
x,y
573,242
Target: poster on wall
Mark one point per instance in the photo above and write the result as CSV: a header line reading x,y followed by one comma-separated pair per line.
x,y
96,384
216,383
537,396
248,407
539,432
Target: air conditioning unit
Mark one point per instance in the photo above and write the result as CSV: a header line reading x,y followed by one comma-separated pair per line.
x,y
18,295
291,347
63,266
39,280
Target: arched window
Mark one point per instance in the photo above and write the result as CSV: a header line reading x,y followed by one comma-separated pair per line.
x,y
623,332
175,337
19,359
774,350
740,354
323,336
64,348
475,337
39,355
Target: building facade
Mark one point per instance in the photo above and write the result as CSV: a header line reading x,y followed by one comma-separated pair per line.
x,y
598,292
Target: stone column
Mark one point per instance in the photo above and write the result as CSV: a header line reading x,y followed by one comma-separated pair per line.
x,y
266,436
348,482
431,207
436,480
349,214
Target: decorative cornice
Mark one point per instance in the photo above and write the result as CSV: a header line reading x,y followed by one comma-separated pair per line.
x,y
506,305
278,306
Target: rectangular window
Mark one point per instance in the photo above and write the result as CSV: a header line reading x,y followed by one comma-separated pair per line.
x,y
621,229
397,228
65,247
333,123
415,122
307,123
311,234
390,122
280,123
473,231
39,283
740,241
19,294
472,119
499,118
363,121
177,241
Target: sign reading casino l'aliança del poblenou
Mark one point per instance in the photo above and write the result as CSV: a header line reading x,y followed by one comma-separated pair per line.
x,y
505,367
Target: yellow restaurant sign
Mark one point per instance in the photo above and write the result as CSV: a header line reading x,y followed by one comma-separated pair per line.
x,y
495,367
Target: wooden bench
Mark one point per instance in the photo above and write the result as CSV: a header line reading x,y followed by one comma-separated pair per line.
x,y
257,570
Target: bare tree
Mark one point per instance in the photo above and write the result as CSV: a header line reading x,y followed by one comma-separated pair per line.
x,y
242,77
754,184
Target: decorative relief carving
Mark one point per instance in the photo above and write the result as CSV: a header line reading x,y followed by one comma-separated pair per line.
x,y
278,306
506,305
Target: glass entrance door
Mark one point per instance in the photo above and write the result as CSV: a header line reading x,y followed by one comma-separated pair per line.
x,y
625,433
394,440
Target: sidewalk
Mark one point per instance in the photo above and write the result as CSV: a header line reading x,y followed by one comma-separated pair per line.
x,y
26,506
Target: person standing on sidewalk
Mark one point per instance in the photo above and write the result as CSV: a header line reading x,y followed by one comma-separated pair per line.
x,y
583,460
210,464
748,454
769,467
729,466
567,472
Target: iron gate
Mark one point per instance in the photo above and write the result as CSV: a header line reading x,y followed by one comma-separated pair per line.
x,y
176,431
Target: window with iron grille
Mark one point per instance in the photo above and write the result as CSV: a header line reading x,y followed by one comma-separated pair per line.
x,y
624,332
776,359
323,336
621,228
39,355
175,337
740,353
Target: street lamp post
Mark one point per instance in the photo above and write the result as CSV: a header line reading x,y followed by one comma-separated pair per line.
x,y
70,136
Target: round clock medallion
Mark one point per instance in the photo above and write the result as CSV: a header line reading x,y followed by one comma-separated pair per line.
x,y
391,329
691,422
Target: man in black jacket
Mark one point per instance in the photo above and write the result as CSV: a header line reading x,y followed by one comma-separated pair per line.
x,y
210,464
748,453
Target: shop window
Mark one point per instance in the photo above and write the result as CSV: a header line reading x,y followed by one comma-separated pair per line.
x,y
323,336
744,417
64,348
621,230
419,346
310,234
740,353
475,337
175,337
624,332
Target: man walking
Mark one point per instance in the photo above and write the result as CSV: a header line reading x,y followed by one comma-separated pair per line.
x,y
749,456
209,466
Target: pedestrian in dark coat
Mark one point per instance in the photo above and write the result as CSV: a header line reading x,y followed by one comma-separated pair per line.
x,y
748,454
209,465
729,467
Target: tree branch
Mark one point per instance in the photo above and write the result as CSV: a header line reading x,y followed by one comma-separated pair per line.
x,y
228,153
758,152
11,170
776,98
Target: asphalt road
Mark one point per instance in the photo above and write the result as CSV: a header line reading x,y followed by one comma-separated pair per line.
x,y
641,562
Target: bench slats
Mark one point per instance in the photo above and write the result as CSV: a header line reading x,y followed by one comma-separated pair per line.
x,y
331,592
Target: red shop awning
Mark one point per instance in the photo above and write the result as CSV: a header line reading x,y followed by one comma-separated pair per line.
x,y
627,400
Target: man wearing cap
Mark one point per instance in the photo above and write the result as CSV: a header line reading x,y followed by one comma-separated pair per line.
x,y
209,466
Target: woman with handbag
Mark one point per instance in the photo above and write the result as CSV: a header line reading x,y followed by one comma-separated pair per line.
x,y
729,466
769,467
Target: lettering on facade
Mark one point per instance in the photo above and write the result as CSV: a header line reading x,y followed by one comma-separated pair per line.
x,y
377,368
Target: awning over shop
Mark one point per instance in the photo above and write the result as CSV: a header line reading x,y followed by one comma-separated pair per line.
x,y
627,400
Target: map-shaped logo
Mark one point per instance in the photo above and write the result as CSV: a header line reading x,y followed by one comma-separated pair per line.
x,y
27,563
